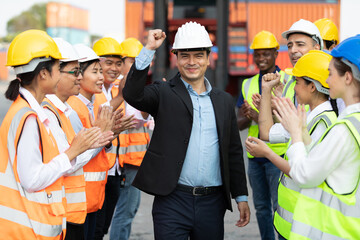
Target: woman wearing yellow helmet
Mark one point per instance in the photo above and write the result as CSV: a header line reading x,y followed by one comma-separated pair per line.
x,y
311,89
32,169
328,173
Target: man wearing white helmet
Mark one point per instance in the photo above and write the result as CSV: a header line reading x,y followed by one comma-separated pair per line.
x,y
302,37
194,163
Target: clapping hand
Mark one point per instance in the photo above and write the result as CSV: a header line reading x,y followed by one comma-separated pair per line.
x,y
290,117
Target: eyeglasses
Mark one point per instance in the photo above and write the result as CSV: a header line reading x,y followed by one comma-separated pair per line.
x,y
76,72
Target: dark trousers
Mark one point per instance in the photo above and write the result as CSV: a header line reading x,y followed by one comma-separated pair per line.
x,y
181,215
105,214
89,225
74,231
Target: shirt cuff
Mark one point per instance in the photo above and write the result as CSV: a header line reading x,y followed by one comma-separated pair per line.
x,y
106,104
278,134
242,198
144,58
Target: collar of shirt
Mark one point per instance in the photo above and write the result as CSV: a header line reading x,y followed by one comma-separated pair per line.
x,y
325,106
107,92
353,108
35,105
191,90
63,107
89,104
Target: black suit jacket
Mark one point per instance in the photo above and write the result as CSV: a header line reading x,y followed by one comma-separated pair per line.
x,y
171,106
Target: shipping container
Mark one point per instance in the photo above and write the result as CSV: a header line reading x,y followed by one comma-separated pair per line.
x,y
67,16
71,35
246,19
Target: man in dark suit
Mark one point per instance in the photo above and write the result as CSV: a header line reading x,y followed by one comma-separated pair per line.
x,y
194,163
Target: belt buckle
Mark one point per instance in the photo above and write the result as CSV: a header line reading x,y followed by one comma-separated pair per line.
x,y
194,192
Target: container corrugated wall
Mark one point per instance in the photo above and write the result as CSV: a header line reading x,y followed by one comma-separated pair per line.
x,y
68,22
275,17
278,17
66,15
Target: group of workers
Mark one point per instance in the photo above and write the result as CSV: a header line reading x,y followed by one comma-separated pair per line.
x,y
75,155
70,144
307,118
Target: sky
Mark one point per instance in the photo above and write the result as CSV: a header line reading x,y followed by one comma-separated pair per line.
x,y
104,15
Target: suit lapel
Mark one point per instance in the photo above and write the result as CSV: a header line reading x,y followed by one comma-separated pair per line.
x,y
218,105
180,89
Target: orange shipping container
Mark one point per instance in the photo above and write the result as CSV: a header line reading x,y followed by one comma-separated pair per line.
x,y
66,15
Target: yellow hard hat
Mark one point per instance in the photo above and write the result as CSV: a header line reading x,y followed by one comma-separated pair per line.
x,y
31,44
132,47
263,40
108,46
328,29
312,66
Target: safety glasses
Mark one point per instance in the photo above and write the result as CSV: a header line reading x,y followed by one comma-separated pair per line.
x,y
76,72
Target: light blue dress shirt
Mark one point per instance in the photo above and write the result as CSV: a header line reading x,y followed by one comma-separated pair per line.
x,y
202,162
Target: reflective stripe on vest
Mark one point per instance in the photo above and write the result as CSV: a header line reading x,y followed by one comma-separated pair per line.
x,y
95,171
138,140
249,87
75,182
94,176
21,218
120,142
328,117
25,215
322,214
288,190
288,90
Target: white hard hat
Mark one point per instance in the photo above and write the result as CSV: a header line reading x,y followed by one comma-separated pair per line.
x,y
85,53
191,35
67,50
306,27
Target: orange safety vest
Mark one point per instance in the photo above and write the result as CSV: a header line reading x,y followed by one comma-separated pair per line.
x,y
138,139
95,171
75,183
28,215
120,143
133,142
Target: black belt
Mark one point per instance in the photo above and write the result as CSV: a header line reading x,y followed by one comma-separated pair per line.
x,y
198,191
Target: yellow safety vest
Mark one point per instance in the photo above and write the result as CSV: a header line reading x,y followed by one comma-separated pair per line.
x,y
322,214
288,191
251,86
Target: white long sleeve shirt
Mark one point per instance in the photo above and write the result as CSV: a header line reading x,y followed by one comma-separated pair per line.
x,y
34,175
278,134
335,159
60,136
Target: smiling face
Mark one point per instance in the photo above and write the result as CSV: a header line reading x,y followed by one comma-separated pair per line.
x,y
69,84
192,65
112,67
92,80
299,44
265,59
